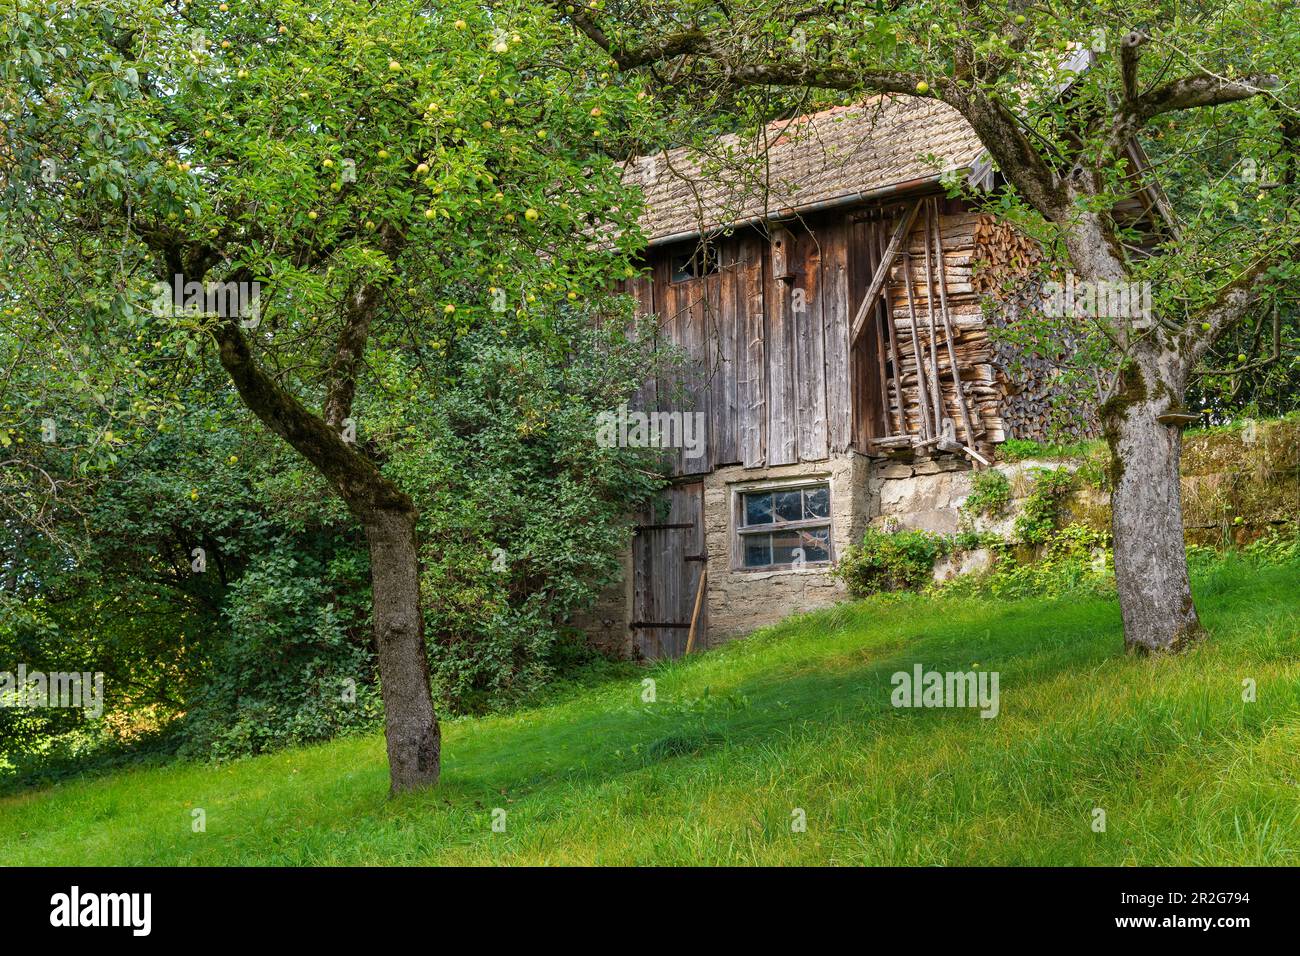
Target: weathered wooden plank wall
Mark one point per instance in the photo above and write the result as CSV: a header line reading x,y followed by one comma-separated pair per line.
x,y
837,313
772,368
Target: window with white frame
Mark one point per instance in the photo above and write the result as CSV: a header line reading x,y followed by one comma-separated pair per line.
x,y
784,526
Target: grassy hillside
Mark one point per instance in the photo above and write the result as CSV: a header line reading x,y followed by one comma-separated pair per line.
x,y
797,716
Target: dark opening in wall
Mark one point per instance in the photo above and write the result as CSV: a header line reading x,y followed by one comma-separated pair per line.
x,y
695,263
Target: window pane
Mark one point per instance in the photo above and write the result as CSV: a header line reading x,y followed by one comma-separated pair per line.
x,y
682,268
816,544
817,502
758,550
783,546
789,505
758,508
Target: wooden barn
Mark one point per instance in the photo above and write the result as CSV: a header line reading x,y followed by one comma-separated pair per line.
x,y
829,297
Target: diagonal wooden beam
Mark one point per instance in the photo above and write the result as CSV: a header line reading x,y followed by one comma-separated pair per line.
x,y
882,271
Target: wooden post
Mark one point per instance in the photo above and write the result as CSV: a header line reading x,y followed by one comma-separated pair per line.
x,y
936,388
695,615
948,333
923,402
877,243
882,271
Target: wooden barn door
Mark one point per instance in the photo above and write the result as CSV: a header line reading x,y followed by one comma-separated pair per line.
x,y
668,562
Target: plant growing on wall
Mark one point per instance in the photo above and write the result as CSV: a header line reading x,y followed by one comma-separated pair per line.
x,y
1041,513
990,497
891,561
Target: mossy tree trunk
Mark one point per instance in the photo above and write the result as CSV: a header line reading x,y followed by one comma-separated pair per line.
x,y
1147,520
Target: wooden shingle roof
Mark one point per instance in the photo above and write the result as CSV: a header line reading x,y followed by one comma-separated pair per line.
x,y
839,155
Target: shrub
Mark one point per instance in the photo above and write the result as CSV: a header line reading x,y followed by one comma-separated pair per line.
x,y
990,496
297,667
1041,514
524,516
1075,558
891,561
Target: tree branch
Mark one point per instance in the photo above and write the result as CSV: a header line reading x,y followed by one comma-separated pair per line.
x,y
358,314
356,479
1130,52
1228,307
1200,90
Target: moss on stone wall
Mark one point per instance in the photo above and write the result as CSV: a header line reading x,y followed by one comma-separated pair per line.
x,y
1238,482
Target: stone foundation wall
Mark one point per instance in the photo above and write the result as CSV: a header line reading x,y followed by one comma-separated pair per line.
x,y
923,496
739,601
928,495
1235,485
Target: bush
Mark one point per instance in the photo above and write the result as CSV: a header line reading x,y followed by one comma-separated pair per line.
x,y
297,668
1042,510
524,516
891,561
1075,558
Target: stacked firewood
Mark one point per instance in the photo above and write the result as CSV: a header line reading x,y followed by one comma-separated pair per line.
x,y
942,298
1006,256
1034,402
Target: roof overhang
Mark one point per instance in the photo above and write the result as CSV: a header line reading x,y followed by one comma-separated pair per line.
x,y
978,174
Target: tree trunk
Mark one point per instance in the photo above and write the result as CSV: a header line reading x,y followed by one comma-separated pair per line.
x,y
410,725
1155,595
387,514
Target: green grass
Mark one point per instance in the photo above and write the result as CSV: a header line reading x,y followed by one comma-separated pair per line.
x,y
797,716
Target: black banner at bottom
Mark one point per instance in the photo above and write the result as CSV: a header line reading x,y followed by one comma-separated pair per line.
x,y
339,905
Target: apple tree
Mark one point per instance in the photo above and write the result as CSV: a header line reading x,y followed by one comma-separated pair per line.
x,y
320,197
